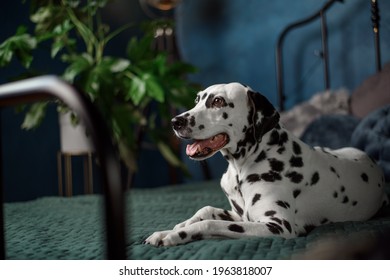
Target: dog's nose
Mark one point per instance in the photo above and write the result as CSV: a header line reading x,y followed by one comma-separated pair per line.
x,y
178,123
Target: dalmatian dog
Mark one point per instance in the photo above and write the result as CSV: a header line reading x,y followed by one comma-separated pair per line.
x,y
275,183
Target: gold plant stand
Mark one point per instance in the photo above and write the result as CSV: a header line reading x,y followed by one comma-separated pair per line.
x,y
66,159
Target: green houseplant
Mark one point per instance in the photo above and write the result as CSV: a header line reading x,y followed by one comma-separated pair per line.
x,y
123,88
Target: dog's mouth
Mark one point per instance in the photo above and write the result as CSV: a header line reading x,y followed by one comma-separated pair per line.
x,y
201,149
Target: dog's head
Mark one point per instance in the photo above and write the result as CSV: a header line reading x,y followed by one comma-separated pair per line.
x,y
226,116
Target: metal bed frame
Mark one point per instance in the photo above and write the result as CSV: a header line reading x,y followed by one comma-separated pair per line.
x,y
49,87
321,14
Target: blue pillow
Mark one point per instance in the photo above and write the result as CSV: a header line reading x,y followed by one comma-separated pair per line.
x,y
372,135
332,131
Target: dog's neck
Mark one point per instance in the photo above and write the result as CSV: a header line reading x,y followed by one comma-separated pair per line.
x,y
251,150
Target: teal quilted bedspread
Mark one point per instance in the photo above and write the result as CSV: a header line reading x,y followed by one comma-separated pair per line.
x,y
72,228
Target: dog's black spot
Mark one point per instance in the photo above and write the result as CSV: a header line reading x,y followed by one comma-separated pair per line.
x,y
324,221
256,148
280,150
271,176
276,165
249,138
294,177
201,127
283,138
287,225
274,138
262,156
252,178
230,124
237,208
186,115
296,161
335,194
213,216
238,189
226,216
274,228
296,148
332,169
236,228
231,105
238,180
283,204
342,189
240,153
315,178
256,198
209,101
160,243
296,193
225,115
354,203
345,199
279,221
244,129
270,213
204,95
182,234
192,121
364,177
197,236
309,228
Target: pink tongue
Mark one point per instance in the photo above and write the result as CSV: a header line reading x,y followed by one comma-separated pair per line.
x,y
213,143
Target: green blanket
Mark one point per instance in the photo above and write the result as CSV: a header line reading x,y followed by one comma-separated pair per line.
x,y
72,228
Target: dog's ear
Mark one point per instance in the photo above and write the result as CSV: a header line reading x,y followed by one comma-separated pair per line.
x,y
262,114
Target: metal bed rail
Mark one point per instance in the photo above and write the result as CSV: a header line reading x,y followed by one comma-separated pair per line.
x,y
49,87
321,14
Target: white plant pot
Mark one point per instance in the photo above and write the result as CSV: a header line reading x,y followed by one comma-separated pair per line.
x,y
74,138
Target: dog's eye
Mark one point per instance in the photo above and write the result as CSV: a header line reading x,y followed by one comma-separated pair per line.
x,y
218,102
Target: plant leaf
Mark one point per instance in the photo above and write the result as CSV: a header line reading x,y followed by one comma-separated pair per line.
x,y
35,115
21,45
137,90
78,64
119,65
153,88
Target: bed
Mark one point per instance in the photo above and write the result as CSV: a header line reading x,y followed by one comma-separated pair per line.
x,y
113,225
71,228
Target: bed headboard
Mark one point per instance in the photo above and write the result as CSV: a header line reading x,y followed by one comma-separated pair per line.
x,y
321,15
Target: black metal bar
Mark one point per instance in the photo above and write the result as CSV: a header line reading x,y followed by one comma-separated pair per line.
x,y
2,227
46,87
375,18
279,48
325,52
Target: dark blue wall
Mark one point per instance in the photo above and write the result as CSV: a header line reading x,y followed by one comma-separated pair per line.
x,y
232,40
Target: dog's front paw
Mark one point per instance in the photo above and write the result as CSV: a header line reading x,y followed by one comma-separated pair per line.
x,y
156,239
169,238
